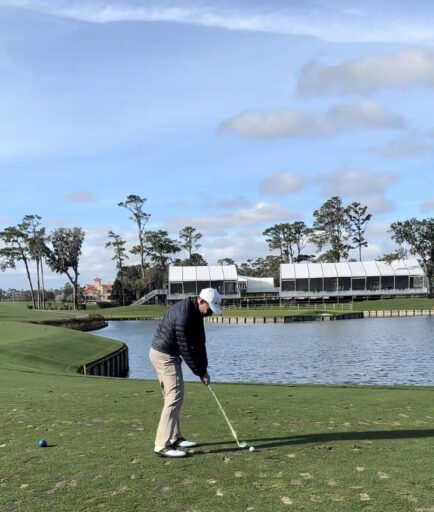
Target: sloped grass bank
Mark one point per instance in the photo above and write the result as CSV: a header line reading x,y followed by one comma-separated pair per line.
x,y
319,449
26,346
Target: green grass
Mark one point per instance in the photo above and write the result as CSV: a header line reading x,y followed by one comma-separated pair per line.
x,y
319,449
19,310
151,311
32,347
388,304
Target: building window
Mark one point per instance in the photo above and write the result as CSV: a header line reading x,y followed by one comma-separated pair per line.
x,y
359,283
190,287
288,286
175,288
401,282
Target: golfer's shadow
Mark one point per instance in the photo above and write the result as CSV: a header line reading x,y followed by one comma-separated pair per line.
x,y
264,443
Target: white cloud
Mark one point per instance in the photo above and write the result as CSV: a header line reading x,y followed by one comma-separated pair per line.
x,y
235,202
427,206
410,147
326,21
362,76
356,182
286,123
238,248
213,225
80,197
281,184
378,203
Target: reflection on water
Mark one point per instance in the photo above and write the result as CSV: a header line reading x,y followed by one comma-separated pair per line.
x,y
370,351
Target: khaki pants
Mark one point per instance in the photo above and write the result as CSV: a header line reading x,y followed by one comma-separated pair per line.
x,y
169,374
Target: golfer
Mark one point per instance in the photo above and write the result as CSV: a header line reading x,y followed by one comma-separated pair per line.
x,y
181,333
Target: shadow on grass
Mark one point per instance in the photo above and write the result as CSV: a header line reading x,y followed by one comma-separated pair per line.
x,y
276,442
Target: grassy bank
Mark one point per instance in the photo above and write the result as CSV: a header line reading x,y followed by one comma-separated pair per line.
x,y
30,347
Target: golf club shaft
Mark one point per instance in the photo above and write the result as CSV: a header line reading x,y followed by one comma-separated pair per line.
x,y
224,414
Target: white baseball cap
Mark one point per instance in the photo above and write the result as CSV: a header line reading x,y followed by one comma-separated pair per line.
x,y
213,298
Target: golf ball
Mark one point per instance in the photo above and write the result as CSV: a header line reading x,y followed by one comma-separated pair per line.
x,y
43,443
252,449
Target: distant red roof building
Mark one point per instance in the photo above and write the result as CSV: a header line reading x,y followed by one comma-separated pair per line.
x,y
97,291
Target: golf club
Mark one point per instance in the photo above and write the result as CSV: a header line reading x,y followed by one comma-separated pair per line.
x,y
243,444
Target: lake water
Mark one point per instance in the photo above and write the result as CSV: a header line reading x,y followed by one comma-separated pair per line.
x,y
370,351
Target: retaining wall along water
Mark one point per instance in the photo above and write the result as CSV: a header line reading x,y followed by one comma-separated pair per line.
x,y
113,365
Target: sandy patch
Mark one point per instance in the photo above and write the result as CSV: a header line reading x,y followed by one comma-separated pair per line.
x,y
382,476
338,498
316,499
306,476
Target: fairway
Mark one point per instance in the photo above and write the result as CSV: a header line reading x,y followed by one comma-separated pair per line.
x,y
318,448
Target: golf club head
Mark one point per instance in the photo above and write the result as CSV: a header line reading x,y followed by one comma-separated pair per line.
x,y
243,444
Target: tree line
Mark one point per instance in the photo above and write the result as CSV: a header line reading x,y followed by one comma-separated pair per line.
x,y
336,230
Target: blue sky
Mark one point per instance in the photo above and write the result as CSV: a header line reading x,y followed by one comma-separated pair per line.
x,y
227,116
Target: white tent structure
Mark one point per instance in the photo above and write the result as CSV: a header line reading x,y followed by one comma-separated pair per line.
x,y
351,279
257,285
189,281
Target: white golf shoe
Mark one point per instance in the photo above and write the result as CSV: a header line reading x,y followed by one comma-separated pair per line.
x,y
169,451
183,443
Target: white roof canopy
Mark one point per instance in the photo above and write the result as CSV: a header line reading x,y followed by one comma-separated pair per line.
x,y
355,269
203,273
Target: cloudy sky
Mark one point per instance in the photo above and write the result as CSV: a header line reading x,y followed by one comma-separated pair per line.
x,y
228,116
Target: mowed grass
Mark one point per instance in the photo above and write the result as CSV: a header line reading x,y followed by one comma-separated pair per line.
x,y
30,347
317,448
19,310
393,304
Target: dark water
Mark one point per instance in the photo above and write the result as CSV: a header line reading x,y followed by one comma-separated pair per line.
x,y
370,351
